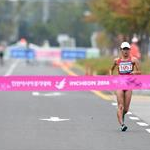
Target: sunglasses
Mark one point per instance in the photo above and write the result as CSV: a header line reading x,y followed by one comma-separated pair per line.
x,y
125,48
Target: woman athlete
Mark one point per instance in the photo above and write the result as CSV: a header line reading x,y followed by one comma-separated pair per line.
x,y
126,65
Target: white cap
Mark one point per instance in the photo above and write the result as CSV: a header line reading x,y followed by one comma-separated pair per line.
x,y
134,39
125,44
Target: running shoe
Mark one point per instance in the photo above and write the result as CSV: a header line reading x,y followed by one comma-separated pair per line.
x,y
123,127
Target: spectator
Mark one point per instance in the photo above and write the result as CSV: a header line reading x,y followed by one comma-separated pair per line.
x,y
2,49
135,51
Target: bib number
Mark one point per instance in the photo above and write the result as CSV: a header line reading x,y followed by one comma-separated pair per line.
x,y
125,67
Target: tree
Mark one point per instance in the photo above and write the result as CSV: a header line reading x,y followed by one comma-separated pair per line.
x,y
25,19
5,21
124,17
64,18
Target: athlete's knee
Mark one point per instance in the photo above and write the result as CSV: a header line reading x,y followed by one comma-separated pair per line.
x,y
121,107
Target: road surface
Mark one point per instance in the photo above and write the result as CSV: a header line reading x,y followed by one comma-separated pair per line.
x,y
63,120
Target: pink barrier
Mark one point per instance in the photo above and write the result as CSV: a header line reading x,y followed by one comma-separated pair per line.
x,y
48,54
73,83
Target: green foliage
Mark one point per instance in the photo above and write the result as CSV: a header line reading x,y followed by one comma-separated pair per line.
x,y
103,40
145,66
102,65
25,19
64,18
122,16
5,21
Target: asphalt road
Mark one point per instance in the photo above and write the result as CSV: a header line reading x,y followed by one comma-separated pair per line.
x,y
63,120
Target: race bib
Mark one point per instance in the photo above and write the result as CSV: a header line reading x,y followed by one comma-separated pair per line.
x,y
125,67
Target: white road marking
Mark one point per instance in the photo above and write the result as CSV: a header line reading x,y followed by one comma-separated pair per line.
x,y
148,130
53,94
35,93
114,104
46,94
129,113
134,118
143,124
12,67
54,119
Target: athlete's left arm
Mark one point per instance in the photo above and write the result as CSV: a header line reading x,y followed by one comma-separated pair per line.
x,y
137,69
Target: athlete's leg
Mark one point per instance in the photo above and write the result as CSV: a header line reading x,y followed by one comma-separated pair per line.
x,y
128,95
120,101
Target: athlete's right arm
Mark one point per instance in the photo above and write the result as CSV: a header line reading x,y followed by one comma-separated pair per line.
x,y
113,67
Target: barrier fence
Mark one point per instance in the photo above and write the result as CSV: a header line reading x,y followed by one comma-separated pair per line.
x,y
52,53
